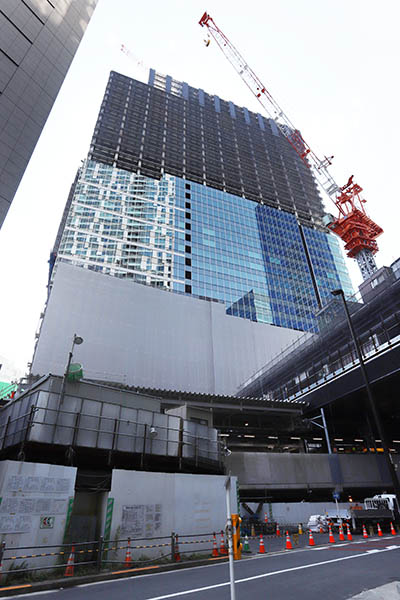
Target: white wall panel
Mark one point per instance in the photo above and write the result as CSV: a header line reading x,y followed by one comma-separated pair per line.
x,y
139,335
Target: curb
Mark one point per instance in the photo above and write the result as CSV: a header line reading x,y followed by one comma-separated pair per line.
x,y
68,582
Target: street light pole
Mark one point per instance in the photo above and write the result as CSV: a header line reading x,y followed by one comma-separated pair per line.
x,y
371,400
75,341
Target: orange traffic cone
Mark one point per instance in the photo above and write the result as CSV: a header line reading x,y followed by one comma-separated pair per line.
x,y
128,556
331,538
341,534
278,531
380,534
349,536
262,548
311,541
222,547
321,529
177,556
69,571
392,529
215,549
288,542
365,534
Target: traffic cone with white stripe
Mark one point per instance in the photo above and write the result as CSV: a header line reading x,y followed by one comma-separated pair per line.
x,y
341,534
380,534
128,555
331,538
288,542
246,547
177,556
69,571
262,547
222,547
311,541
392,529
278,531
365,534
265,518
215,549
349,536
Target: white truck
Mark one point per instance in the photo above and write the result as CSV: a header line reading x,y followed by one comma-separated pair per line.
x,y
381,508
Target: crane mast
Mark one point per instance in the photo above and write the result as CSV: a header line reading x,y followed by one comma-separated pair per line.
x,y
352,225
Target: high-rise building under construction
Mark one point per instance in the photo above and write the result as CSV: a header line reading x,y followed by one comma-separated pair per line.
x,y
185,191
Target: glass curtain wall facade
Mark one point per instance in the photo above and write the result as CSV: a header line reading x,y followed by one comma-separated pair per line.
x,y
190,236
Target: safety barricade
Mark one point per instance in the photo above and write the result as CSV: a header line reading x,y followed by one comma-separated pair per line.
x,y
101,554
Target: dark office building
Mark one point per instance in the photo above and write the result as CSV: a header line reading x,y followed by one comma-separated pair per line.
x,y
38,40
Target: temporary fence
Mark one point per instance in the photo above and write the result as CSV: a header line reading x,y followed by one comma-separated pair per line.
x,y
100,553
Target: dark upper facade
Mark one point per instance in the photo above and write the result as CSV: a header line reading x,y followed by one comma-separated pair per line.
x,y
170,127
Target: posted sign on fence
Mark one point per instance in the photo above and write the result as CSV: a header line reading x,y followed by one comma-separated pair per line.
x,y
47,522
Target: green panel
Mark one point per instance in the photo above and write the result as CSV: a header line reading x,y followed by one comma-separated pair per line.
x,y
68,518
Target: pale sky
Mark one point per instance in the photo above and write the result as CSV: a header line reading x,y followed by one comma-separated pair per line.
x,y
332,65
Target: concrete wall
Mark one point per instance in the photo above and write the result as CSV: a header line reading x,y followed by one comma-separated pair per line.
x,y
148,505
291,513
143,336
29,493
298,471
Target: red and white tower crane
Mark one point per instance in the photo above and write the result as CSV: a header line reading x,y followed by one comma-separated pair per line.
x,y
352,225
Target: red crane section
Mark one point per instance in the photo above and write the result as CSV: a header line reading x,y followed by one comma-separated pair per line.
x,y
353,225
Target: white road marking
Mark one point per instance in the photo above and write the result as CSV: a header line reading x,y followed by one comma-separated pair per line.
x,y
216,564
263,575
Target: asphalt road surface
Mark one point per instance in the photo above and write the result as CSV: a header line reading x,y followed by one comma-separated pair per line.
x,y
335,572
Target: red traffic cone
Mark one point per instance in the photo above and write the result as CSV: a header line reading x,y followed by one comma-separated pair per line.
x,y
265,518
69,571
128,556
288,542
380,534
331,538
222,547
349,536
177,556
365,534
311,541
341,534
262,547
321,529
392,529
215,549
278,531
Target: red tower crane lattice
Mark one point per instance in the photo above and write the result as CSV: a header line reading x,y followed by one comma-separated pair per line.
x,y
352,225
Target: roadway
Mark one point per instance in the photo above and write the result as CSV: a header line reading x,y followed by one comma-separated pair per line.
x,y
335,572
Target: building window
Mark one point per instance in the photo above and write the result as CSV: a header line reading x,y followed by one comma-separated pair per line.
x,y
188,262
188,289
188,275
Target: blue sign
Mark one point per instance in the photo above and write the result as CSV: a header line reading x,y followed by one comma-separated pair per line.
x,y
336,495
